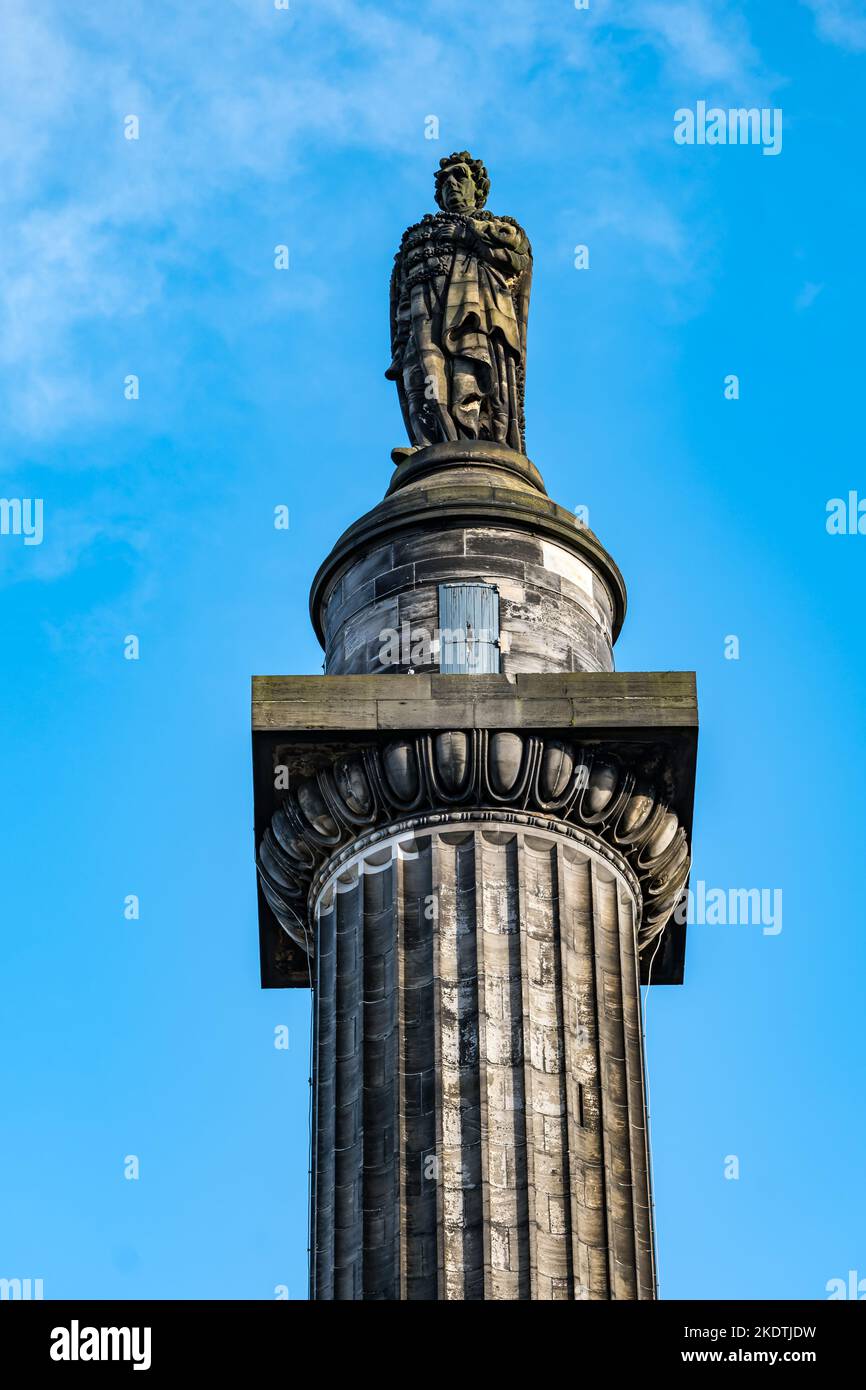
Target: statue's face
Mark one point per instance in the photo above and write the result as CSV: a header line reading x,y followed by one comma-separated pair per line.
x,y
457,188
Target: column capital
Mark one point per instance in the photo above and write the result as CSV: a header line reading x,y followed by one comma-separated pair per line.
x,y
629,784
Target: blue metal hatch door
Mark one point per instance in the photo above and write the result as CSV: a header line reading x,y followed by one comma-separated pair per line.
x,y
468,629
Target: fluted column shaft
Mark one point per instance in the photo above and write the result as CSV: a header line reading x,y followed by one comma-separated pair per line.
x,y
480,1120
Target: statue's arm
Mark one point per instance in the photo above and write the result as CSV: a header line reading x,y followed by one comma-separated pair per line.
x,y
503,244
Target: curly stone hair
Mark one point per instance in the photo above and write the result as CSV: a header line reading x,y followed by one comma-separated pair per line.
x,y
479,174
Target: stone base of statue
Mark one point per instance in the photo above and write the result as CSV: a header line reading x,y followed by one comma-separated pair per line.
x,y
469,511
474,873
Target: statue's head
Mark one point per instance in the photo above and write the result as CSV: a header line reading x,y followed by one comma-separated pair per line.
x,y
462,183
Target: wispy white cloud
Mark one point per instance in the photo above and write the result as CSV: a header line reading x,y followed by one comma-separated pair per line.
x,y
638,216
69,534
700,41
807,296
242,101
842,22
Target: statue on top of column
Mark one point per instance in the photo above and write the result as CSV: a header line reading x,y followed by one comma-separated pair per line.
x,y
459,305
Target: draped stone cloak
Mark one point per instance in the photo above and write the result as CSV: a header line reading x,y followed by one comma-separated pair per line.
x,y
458,318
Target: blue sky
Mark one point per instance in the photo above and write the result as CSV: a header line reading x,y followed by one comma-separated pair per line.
x,y
261,387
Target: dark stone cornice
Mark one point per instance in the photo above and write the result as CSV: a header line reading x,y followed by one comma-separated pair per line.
x,y
505,771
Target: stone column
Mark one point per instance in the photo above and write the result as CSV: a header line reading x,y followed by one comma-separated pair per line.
x,y
468,830
480,1121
